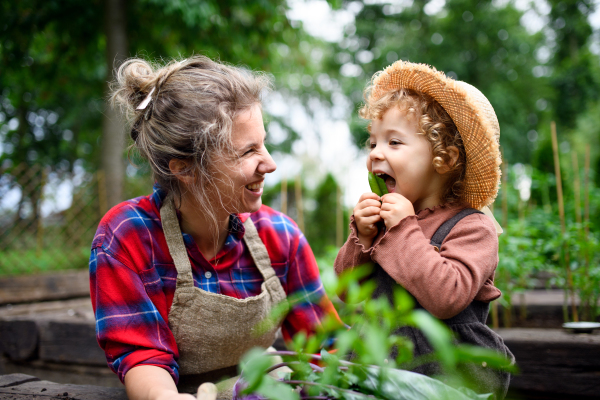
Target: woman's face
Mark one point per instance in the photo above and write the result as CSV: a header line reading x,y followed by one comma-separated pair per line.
x,y
240,180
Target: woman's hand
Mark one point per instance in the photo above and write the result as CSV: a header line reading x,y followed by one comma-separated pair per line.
x,y
394,208
148,382
366,217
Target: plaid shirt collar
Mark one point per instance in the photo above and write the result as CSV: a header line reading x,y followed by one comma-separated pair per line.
x,y
236,221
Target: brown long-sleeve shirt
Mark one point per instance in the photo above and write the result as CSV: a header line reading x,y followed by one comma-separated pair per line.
x,y
443,282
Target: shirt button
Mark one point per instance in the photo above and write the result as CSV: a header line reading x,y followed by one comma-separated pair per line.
x,y
207,274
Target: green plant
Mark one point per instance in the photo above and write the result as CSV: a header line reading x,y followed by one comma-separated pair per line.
x,y
370,373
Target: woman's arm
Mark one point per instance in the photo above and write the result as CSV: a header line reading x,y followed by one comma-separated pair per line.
x,y
131,326
149,382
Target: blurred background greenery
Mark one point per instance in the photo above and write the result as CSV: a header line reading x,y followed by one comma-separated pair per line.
x,y
63,151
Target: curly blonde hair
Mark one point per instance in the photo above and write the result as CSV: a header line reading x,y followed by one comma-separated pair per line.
x,y
434,123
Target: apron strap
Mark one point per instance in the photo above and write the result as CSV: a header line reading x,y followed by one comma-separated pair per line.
x,y
259,254
258,251
175,243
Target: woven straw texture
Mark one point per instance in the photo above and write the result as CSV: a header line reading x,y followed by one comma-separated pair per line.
x,y
473,115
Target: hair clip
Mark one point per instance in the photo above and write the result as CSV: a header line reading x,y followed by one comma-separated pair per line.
x,y
144,103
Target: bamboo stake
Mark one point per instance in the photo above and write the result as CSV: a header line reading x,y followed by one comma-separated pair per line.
x,y
40,227
576,186
559,191
299,207
586,229
586,185
561,213
339,221
284,195
507,310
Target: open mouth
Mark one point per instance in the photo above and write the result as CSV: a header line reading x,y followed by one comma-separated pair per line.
x,y
390,182
255,187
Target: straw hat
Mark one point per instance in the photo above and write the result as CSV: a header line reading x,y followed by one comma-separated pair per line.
x,y
472,114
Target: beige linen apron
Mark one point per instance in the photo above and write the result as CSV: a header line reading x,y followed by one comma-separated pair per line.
x,y
213,331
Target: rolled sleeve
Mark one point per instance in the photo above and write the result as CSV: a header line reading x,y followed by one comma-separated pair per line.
x,y
129,327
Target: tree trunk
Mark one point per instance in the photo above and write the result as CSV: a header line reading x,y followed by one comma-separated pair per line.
x,y
113,141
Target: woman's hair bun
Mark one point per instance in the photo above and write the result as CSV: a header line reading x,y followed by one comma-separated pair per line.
x,y
135,78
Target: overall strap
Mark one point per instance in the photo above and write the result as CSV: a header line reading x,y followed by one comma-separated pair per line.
x,y
476,311
175,243
438,237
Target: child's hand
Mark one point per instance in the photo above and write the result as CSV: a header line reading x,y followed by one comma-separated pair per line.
x,y
394,208
366,217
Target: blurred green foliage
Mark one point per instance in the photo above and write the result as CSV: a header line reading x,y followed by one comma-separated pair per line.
x,y
534,253
530,78
54,69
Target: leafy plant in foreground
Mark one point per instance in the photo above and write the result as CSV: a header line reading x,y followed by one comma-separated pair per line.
x,y
358,364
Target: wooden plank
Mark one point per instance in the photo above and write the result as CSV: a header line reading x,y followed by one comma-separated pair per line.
x,y
77,374
75,309
62,331
70,341
40,287
15,379
554,361
18,339
45,389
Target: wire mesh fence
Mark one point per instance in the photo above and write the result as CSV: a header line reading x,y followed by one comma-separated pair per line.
x,y
47,219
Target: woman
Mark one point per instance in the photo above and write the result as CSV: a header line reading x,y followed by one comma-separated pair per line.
x,y
180,278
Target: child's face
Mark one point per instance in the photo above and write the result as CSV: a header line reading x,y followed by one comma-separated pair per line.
x,y
405,158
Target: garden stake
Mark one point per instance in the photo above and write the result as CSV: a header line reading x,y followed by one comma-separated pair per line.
x,y
299,207
284,195
504,192
576,186
339,220
586,185
40,227
507,311
586,226
561,214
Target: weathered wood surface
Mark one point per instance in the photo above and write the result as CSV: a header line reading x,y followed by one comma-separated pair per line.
x,y
43,287
542,308
77,374
25,387
554,361
61,331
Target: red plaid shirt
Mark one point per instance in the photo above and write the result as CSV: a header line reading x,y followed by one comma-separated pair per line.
x,y
132,279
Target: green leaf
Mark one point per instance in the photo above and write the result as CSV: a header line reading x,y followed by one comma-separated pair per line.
x,y
253,365
276,390
389,383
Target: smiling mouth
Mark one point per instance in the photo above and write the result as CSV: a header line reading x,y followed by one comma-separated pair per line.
x,y
390,182
255,187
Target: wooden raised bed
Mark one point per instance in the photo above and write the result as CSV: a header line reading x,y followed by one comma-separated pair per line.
x,y
554,364
44,287
26,387
55,340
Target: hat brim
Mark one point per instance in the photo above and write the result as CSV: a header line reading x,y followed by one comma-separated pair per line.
x,y
472,114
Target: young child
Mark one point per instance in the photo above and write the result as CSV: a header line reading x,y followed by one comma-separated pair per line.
x,y
434,141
